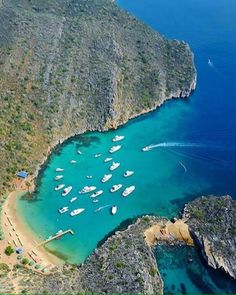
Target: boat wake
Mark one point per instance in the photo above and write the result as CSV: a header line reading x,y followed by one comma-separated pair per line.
x,y
175,144
101,208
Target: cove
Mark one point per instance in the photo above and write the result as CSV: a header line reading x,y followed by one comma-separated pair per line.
x,y
204,126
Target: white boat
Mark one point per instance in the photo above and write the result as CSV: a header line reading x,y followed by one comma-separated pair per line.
x,y
95,201
106,177
146,148
115,148
59,170
79,152
113,210
66,191
107,160
60,186
63,210
128,191
89,176
118,138
73,199
128,173
87,189
73,161
115,188
76,211
58,177
96,194
59,232
97,155
114,166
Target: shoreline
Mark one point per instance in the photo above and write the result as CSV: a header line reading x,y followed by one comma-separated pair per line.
x,y
29,240
18,234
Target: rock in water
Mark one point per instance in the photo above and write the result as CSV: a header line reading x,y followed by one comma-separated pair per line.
x,y
212,222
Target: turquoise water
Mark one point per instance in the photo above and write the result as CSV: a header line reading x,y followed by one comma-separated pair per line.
x,y
166,177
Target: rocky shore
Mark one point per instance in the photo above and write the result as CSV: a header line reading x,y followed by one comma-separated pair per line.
x,y
212,223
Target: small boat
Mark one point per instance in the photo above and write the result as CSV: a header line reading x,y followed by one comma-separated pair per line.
x,y
128,191
59,170
87,189
107,160
115,188
58,187
76,211
114,166
96,194
59,232
106,177
73,199
89,176
73,161
79,152
113,210
210,63
146,149
58,177
63,210
115,149
97,155
128,173
66,191
118,138
95,201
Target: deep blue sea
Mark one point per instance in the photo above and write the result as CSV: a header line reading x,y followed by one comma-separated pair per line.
x,y
198,157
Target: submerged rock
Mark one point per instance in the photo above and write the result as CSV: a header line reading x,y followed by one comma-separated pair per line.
x,y
212,222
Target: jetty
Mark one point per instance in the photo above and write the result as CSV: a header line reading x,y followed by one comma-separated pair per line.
x,y
68,231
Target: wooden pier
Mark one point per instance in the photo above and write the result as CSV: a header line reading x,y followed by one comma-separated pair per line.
x,y
68,231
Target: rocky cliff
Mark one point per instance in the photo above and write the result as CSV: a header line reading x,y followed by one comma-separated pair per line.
x,y
212,222
67,66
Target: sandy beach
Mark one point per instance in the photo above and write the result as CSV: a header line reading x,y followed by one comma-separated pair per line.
x,y
17,234
168,231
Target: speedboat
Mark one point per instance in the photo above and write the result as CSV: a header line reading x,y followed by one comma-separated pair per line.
x,y
66,191
73,161
128,173
96,194
59,169
79,152
97,155
118,138
58,177
73,199
128,191
63,210
60,231
76,211
146,149
106,177
115,188
89,176
113,210
58,187
114,166
95,201
107,160
115,148
87,189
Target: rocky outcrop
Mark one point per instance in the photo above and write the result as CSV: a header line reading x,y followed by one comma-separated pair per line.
x,y
123,264
71,66
212,222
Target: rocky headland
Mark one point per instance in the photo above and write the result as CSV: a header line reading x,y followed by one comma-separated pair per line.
x,y
71,66
212,223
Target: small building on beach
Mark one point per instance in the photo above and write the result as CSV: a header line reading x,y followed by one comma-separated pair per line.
x,y
22,174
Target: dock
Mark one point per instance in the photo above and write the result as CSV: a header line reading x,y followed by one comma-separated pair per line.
x,y
68,231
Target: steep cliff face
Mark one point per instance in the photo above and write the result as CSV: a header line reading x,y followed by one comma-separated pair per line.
x,y
77,65
123,264
212,222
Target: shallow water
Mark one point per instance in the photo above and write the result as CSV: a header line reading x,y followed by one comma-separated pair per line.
x,y
204,127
